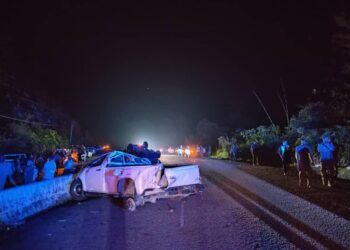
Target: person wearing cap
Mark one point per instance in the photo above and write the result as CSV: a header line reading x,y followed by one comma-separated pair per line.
x,y
303,156
326,150
284,152
233,152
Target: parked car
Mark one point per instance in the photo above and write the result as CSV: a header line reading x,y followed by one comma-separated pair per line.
x,y
90,151
135,179
171,150
80,150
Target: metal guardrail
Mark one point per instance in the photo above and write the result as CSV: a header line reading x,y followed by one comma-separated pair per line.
x,y
12,157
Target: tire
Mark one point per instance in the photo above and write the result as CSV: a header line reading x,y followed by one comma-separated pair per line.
x,y
130,204
76,191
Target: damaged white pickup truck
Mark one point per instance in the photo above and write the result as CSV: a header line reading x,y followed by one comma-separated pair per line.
x,y
135,179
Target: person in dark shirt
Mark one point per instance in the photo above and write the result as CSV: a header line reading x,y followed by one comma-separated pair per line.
x,y
303,156
19,166
326,150
336,159
233,152
254,153
209,151
284,152
31,171
6,172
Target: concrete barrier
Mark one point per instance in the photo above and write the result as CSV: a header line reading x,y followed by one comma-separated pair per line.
x,y
21,202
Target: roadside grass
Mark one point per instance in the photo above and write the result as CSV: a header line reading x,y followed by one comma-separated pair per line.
x,y
335,199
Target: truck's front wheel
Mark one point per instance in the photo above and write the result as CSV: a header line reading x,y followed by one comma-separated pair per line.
x,y
76,191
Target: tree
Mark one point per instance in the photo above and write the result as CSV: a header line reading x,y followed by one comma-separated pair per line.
x,y
315,115
36,138
341,41
262,135
340,103
224,142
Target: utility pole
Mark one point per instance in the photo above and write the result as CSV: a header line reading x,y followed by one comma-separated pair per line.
x,y
71,132
264,108
284,103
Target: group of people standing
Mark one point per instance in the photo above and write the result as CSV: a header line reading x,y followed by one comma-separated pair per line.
x,y
303,156
253,148
29,169
198,151
304,160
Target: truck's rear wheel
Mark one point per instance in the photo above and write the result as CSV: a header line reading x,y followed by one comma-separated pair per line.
x,y
77,191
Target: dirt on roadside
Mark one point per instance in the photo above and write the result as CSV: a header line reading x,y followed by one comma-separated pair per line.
x,y
335,199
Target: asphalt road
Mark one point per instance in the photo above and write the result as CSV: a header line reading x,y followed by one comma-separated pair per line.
x,y
235,211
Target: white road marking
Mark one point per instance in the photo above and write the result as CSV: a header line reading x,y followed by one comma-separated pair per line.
x,y
280,220
182,219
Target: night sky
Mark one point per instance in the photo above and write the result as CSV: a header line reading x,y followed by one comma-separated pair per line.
x,y
134,72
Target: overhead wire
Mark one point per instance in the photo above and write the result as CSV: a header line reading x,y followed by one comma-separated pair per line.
x,y
26,121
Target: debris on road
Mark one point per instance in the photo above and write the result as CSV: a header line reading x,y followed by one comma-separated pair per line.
x,y
94,212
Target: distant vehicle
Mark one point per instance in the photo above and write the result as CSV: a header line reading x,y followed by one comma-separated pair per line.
x,y
90,151
135,179
97,149
190,151
171,150
106,148
82,154
81,151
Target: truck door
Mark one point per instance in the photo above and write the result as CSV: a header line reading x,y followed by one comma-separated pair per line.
x,y
95,176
